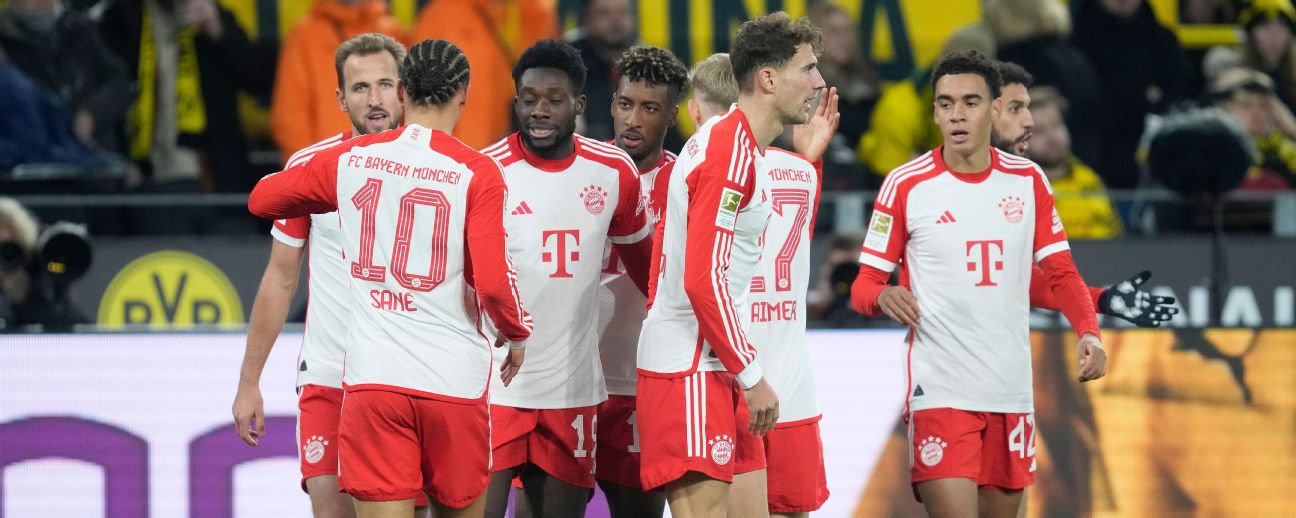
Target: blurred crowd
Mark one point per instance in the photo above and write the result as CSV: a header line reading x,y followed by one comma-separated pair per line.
x,y
155,89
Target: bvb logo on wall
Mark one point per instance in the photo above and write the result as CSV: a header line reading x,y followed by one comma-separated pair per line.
x,y
170,289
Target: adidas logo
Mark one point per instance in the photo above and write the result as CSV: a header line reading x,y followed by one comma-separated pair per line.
x,y
918,391
522,208
946,218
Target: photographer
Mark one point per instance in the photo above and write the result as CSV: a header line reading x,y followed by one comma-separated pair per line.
x,y
32,295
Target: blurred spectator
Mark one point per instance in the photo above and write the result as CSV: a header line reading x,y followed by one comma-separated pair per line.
x,y
189,58
1269,26
1033,34
35,127
844,66
1248,96
1141,69
60,50
1078,192
1206,12
304,109
829,298
902,125
608,28
26,296
492,33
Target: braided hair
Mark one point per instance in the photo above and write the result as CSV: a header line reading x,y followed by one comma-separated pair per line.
x,y
655,66
434,71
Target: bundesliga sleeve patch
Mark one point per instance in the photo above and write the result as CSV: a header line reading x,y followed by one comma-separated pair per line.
x,y
879,233
727,216
1057,222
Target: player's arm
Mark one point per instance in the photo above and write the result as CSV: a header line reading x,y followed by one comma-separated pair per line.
x,y
1124,300
884,244
631,231
1053,253
492,270
308,186
269,310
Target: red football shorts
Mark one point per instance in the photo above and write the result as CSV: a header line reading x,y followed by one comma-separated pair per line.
x,y
561,441
695,423
396,446
991,448
797,482
318,410
618,442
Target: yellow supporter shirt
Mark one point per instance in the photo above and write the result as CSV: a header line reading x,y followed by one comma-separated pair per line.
x,y
1083,205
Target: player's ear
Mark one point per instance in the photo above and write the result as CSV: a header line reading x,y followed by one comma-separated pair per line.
x,y
580,104
765,79
996,108
341,100
695,111
401,93
674,115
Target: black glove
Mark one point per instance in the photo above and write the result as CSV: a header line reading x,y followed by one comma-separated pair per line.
x,y
1126,301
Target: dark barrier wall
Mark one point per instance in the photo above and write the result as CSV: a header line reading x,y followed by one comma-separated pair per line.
x,y
179,288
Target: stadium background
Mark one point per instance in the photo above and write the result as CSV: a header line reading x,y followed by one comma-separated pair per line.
x,y
132,418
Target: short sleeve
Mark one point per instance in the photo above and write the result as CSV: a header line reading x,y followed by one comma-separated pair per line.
x,y
292,232
884,243
1050,237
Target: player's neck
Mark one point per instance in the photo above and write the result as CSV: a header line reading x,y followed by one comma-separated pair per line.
x,y
764,118
559,152
649,161
442,120
976,162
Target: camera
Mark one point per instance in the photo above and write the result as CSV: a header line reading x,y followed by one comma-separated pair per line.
x,y
36,289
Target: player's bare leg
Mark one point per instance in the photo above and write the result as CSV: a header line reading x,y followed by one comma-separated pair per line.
x,y
790,515
521,506
476,509
629,502
393,509
950,498
1000,503
749,494
421,511
550,497
326,500
497,493
696,495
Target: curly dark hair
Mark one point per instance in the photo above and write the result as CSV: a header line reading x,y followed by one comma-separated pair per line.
x,y
655,66
1014,74
434,71
553,54
969,62
769,41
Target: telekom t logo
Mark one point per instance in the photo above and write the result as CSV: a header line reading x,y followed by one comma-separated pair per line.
x,y
561,255
985,259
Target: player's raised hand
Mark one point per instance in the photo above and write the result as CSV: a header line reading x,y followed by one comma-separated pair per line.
x,y
900,304
812,138
1128,302
763,404
512,364
248,410
1093,358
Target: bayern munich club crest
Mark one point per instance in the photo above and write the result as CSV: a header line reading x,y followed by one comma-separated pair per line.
x,y
313,450
931,450
1013,209
722,449
595,199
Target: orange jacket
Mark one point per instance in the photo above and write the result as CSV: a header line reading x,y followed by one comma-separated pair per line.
x,y
492,34
305,108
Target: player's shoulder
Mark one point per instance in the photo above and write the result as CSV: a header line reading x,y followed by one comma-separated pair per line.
x,y
454,149
305,153
1009,163
605,154
504,151
903,178
785,157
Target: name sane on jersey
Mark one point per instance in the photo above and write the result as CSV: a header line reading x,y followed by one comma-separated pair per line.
x,y
773,311
392,301
395,168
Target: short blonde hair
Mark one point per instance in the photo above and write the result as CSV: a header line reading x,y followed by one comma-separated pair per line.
x,y
712,80
15,217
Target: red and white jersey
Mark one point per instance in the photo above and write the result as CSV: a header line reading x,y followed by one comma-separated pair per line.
x,y
319,362
421,218
778,290
968,242
622,306
561,216
716,210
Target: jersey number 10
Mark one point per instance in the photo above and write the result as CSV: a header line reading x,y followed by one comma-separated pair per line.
x,y
366,200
